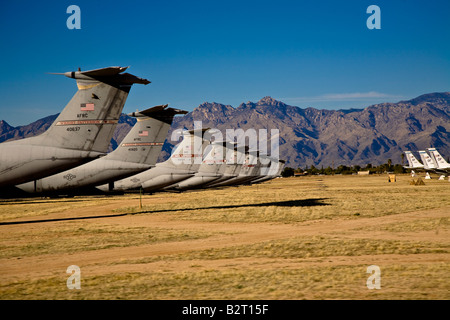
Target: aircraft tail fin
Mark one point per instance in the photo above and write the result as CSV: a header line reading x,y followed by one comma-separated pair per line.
x,y
412,161
440,161
89,119
214,156
190,150
428,162
144,142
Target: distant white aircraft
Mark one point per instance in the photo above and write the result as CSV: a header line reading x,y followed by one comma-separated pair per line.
x,y
439,160
433,162
428,162
412,161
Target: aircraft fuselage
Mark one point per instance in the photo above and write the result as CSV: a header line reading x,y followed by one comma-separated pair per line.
x,y
22,163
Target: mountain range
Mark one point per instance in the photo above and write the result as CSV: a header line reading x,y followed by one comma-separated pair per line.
x,y
310,136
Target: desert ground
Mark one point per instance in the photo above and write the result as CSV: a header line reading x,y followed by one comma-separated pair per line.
x,y
296,238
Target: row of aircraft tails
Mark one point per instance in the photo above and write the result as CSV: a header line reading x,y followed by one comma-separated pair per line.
x,y
70,157
432,162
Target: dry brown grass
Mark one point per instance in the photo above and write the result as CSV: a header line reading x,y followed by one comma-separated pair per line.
x,y
296,238
75,237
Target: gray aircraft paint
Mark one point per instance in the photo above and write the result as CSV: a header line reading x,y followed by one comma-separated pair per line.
x,y
81,133
180,166
249,170
233,166
219,165
138,151
274,171
281,167
210,170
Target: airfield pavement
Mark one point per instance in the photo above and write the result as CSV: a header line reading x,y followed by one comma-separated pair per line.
x,y
309,237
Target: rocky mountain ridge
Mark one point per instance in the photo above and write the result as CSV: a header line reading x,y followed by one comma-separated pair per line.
x,y
311,136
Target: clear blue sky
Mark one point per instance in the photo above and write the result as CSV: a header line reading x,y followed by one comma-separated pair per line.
x,y
305,53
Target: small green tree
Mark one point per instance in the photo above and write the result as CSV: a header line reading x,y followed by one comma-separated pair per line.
x,y
298,170
398,168
328,170
313,170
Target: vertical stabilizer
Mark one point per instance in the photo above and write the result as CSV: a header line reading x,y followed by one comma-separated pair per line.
x,y
428,162
81,133
440,161
188,154
138,151
144,141
412,161
89,119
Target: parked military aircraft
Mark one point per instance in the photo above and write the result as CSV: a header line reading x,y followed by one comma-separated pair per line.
x,y
442,165
137,152
428,163
412,161
81,133
265,164
249,171
234,160
211,169
276,166
434,163
182,164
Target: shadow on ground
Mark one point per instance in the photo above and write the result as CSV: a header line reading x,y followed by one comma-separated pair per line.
x,y
288,203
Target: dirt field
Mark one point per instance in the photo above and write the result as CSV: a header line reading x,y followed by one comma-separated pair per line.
x,y
291,238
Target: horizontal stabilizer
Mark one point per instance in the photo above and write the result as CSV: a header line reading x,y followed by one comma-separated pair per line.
x,y
203,130
161,113
104,72
110,75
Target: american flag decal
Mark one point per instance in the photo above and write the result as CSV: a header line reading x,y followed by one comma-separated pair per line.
x,y
143,133
87,107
